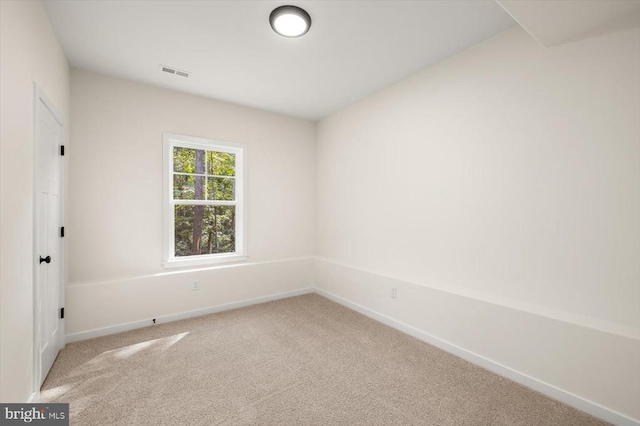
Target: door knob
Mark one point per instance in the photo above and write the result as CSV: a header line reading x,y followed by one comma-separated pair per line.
x,y
45,259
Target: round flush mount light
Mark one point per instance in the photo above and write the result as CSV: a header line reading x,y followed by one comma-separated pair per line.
x,y
290,21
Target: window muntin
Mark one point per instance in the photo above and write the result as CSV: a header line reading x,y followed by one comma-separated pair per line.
x,y
204,206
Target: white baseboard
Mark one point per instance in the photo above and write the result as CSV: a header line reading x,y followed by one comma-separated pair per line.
x,y
568,398
33,398
90,334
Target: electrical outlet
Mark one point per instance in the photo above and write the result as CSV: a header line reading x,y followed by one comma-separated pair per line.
x,y
196,286
394,292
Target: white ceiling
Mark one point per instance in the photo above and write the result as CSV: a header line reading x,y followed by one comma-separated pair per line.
x,y
560,21
353,49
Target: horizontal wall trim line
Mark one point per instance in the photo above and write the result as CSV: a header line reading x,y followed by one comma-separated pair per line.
x,y
554,392
105,331
186,270
598,324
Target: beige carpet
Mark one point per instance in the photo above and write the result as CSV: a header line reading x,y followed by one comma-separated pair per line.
x,y
303,360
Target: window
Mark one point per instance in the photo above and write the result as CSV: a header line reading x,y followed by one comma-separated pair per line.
x,y
204,218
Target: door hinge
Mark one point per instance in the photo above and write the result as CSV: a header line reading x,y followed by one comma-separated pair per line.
x,y
61,313
61,149
62,232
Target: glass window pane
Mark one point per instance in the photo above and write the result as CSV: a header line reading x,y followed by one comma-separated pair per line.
x,y
188,187
221,189
184,160
187,160
204,230
221,163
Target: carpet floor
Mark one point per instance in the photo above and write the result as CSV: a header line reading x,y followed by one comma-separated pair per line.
x,y
299,361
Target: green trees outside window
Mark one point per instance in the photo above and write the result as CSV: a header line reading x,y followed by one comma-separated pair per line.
x,y
203,175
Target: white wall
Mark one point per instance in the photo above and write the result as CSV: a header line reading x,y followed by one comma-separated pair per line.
x,y
115,226
29,53
500,191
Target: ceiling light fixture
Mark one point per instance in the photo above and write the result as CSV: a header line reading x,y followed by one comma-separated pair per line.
x,y
290,21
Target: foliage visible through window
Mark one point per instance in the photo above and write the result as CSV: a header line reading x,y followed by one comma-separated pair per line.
x,y
204,201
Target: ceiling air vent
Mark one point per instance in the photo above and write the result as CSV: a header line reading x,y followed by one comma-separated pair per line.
x,y
174,71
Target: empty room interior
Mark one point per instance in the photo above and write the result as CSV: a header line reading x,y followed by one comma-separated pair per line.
x,y
320,212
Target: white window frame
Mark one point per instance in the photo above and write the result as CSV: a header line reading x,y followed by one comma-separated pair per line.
x,y
171,140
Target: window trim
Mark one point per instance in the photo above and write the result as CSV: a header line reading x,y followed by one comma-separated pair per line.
x,y
240,150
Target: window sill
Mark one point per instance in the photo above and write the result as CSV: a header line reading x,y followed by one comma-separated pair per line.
x,y
213,260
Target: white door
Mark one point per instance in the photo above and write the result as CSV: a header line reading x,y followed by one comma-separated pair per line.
x,y
48,261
